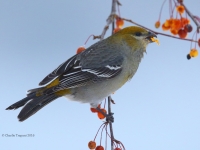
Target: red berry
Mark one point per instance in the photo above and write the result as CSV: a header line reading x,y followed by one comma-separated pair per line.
x,y
199,42
182,33
80,49
92,145
94,110
100,115
119,22
99,148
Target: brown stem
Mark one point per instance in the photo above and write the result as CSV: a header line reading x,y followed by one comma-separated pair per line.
x,y
110,123
110,20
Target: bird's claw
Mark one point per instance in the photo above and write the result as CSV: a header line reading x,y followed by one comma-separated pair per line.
x,y
109,117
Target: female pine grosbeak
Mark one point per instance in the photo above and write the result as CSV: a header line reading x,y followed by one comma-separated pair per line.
x,y
93,74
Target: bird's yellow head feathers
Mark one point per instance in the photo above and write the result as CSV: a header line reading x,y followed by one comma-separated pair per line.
x,y
138,33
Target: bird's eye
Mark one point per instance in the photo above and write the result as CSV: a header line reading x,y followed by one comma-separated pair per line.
x,y
138,33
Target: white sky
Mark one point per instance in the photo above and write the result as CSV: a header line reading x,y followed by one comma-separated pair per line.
x,y
159,109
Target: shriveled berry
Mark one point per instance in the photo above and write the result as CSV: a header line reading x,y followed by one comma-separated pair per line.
x,y
157,24
188,56
188,28
199,42
99,148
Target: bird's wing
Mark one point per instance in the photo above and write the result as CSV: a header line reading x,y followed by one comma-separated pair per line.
x,y
80,75
64,67
92,65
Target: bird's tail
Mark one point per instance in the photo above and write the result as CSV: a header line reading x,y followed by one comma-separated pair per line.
x,y
34,102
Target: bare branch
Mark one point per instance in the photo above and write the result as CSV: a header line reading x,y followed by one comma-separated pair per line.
x,y
110,18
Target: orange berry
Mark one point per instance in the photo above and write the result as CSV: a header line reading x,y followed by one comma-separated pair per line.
x,y
194,52
199,42
184,21
176,24
80,49
116,30
92,145
119,22
165,28
168,23
188,27
100,115
174,31
180,9
99,148
157,24
94,110
182,33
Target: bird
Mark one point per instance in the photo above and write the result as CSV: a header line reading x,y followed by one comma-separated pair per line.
x,y
93,74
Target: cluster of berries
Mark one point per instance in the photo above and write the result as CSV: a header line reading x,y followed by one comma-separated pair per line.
x,y
179,25
92,145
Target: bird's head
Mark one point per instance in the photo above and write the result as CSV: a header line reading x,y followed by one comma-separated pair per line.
x,y
134,34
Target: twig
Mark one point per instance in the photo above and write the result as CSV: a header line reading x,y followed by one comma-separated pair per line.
x,y
190,14
113,14
110,123
110,18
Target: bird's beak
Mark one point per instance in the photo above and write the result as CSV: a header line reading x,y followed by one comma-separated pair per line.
x,y
152,37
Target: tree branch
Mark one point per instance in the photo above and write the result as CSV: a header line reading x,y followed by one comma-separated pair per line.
x,y
110,18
